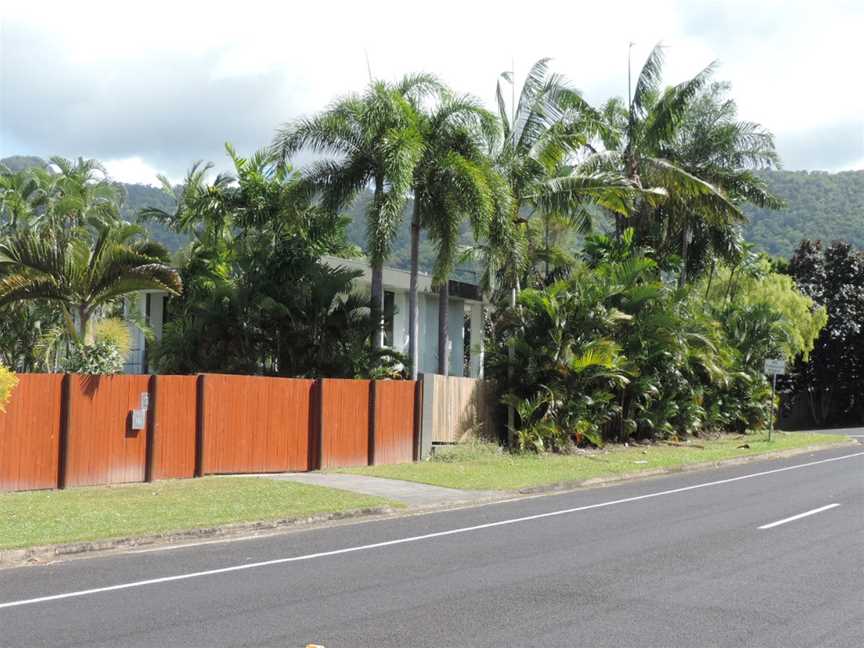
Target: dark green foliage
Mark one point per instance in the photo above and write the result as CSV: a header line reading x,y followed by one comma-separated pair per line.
x,y
831,382
613,352
257,298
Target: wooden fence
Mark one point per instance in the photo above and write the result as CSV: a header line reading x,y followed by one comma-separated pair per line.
x,y
30,434
77,430
458,409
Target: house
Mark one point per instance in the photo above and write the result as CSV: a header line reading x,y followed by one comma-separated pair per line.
x,y
465,320
465,317
149,308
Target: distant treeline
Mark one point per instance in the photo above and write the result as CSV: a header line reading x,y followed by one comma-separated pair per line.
x,y
820,205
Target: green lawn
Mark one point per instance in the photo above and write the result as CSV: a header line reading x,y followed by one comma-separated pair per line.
x,y
485,468
52,517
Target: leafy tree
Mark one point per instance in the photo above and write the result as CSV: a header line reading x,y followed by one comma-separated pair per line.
x,y
257,298
831,379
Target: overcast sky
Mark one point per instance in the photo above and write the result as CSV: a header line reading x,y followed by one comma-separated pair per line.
x,y
151,86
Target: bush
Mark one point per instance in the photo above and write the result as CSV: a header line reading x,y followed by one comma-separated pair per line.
x,y
616,351
101,357
8,380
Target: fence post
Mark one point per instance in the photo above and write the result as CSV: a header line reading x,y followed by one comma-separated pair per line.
x,y
315,449
63,441
428,404
199,426
373,386
150,441
418,418
319,423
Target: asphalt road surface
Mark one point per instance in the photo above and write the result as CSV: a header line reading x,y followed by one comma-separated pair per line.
x,y
768,554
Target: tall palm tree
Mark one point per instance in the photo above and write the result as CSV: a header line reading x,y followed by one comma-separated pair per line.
x,y
375,140
545,130
453,180
714,145
644,154
81,271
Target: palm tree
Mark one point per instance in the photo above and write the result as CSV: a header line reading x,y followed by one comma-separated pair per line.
x,y
645,155
375,140
83,272
452,180
713,144
19,196
544,131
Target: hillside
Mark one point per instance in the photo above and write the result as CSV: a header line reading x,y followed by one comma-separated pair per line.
x,y
820,205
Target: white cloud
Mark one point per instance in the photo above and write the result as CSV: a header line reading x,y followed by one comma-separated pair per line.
x,y
132,170
217,70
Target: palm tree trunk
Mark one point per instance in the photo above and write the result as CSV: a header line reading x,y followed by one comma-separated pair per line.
x,y
377,306
82,324
413,307
443,301
685,247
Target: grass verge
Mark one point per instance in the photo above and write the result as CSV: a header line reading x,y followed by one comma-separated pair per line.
x,y
104,512
483,467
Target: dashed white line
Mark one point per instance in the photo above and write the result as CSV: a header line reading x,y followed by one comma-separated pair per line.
x,y
417,538
799,516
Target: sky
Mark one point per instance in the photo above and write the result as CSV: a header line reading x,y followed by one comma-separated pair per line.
x,y
150,87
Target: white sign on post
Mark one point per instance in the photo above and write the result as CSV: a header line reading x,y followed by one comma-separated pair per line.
x,y
145,400
775,366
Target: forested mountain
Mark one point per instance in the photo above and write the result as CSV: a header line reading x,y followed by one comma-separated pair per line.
x,y
820,205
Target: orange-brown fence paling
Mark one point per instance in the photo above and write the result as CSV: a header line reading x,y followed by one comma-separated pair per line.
x,y
174,427
344,422
101,445
255,424
30,434
395,418
77,430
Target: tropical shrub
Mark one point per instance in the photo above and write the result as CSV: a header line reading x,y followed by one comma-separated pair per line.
x,y
257,297
615,351
100,357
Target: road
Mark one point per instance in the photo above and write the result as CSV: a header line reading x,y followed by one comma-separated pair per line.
x,y
673,561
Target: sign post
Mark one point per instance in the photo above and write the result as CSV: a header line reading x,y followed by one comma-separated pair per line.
x,y
773,368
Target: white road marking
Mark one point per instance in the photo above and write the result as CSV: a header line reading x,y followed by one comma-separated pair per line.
x,y
799,516
417,538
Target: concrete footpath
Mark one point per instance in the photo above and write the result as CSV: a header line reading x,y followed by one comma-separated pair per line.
x,y
413,494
